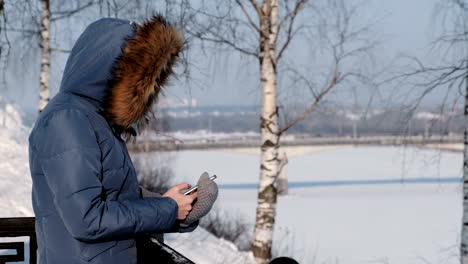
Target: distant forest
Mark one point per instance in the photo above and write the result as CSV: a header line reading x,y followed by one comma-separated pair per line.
x,y
321,123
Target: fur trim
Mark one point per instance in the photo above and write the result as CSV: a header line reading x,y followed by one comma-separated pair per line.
x,y
141,72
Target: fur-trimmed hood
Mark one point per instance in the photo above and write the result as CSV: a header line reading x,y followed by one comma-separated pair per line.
x,y
122,66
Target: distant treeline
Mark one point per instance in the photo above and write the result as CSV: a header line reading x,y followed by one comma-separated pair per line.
x,y
321,123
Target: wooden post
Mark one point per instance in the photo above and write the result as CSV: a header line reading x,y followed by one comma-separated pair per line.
x,y
282,183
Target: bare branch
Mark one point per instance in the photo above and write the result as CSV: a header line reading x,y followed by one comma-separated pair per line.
x,y
21,30
60,50
256,7
224,27
220,40
57,15
299,5
289,36
313,106
344,43
432,74
251,22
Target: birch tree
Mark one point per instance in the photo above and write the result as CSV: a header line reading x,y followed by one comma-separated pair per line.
x,y
35,20
464,233
449,77
2,22
456,39
264,31
44,44
44,92
36,26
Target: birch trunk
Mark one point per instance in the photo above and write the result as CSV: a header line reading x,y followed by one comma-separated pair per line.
x,y
464,234
266,206
45,56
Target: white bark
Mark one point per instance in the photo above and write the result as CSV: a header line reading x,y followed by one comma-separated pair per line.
x,y
45,56
269,129
464,233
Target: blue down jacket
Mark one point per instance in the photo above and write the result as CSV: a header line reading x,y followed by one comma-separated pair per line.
x,y
86,197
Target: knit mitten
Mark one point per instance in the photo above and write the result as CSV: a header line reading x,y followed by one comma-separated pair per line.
x,y
207,194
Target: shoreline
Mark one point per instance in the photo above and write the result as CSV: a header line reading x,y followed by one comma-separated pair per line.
x,y
294,151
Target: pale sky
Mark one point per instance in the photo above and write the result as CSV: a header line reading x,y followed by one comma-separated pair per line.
x,y
402,27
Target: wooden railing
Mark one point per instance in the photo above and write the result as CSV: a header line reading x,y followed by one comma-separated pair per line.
x,y
18,227
149,250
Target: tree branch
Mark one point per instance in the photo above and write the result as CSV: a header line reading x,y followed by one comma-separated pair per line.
x,y
251,22
256,7
21,30
60,50
57,15
289,36
299,5
313,106
228,43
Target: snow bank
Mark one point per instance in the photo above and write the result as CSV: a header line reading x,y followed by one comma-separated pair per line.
x,y
202,247
15,187
11,123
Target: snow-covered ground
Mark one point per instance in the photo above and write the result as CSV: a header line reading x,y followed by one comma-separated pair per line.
x,y
15,180
393,223
15,195
202,247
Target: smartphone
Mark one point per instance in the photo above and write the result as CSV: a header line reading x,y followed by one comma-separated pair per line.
x,y
194,188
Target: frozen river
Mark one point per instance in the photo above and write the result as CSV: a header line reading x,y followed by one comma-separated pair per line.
x,y
349,205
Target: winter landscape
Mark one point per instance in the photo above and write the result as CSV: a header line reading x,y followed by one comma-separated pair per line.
x,y
338,130
389,204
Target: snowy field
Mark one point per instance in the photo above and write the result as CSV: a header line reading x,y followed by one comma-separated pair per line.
x,y
393,223
382,212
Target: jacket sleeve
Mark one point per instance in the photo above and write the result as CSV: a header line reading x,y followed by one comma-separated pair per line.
x,y
178,227
72,168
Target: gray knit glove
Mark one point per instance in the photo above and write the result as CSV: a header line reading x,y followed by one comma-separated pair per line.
x,y
207,194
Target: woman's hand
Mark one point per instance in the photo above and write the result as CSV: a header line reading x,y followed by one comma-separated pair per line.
x,y
183,201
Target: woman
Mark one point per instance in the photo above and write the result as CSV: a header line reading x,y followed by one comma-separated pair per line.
x,y
86,198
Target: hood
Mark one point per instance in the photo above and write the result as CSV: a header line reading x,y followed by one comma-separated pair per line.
x,y
122,66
